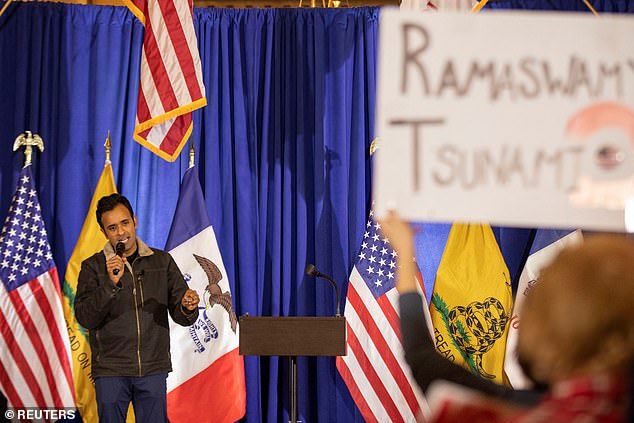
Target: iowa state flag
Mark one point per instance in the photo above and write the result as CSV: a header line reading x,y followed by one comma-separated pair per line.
x,y
472,301
207,384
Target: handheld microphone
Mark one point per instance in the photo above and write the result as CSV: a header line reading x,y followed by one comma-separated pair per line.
x,y
312,271
119,249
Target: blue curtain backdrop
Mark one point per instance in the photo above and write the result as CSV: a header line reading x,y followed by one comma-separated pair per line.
x,y
601,6
282,151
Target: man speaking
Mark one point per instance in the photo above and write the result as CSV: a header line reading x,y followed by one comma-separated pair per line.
x,y
124,294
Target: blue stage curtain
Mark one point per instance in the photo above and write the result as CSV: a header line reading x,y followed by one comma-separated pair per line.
x,y
65,73
610,6
282,150
286,133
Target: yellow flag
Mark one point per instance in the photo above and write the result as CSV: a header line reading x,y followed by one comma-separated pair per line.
x,y
472,301
90,241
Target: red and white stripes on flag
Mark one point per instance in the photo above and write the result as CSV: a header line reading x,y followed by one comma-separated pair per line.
x,y
35,369
374,368
171,84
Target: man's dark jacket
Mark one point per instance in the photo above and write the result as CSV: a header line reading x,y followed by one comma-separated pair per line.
x,y
128,324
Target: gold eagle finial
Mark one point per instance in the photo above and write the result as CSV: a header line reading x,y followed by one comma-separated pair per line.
x,y
374,145
29,140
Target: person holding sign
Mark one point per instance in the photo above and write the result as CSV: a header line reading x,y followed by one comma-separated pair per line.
x,y
577,339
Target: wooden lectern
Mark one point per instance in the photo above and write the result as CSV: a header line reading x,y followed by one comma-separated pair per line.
x,y
292,337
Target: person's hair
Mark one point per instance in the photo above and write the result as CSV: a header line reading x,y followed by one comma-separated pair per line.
x,y
109,202
578,318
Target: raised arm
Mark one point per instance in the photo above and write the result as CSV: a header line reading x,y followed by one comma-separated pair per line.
x,y
420,353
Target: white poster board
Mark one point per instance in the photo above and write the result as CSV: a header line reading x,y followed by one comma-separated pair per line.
x,y
518,119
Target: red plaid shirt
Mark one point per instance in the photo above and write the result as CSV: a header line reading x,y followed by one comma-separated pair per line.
x,y
600,399
597,399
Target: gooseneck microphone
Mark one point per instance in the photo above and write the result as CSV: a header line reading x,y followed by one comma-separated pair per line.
x,y
312,271
118,249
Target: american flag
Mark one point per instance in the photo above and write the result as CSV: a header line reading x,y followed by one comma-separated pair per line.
x,y
374,369
35,368
171,77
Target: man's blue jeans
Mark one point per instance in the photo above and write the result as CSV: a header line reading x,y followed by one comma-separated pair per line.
x,y
147,393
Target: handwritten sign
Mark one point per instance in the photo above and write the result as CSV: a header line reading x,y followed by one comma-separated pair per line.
x,y
519,119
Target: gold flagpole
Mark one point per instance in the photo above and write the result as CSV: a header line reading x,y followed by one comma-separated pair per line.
x,y
191,155
108,145
592,9
479,6
5,7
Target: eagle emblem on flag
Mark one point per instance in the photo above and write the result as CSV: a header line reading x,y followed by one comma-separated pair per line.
x,y
213,290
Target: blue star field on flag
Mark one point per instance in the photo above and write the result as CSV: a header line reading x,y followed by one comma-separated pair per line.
x,y
24,249
376,262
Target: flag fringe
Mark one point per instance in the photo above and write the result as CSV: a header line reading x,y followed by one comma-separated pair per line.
x,y
157,149
135,10
162,118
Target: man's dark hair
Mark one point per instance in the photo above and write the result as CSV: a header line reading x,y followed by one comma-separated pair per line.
x,y
109,202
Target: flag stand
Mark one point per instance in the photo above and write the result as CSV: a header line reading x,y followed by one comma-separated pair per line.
x,y
292,337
